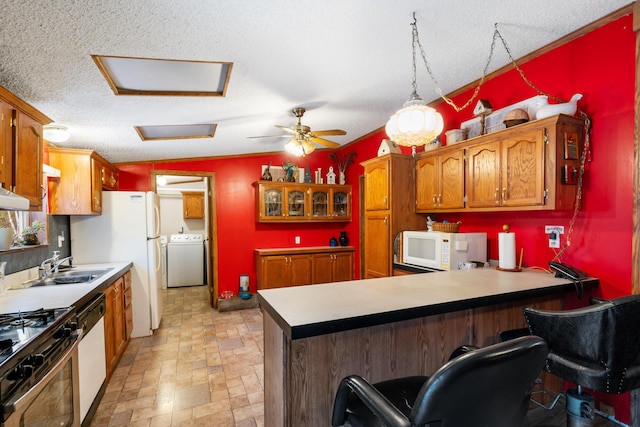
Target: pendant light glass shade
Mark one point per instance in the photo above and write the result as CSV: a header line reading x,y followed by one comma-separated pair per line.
x,y
415,124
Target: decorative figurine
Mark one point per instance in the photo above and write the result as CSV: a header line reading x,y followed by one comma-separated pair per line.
x,y
319,176
307,175
290,171
331,176
266,175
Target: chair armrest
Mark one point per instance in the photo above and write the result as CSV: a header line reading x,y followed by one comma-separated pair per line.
x,y
372,398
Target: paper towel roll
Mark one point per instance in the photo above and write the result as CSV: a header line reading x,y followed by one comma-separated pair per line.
x,y
507,251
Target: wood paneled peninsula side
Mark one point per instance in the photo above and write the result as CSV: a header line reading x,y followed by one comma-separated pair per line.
x,y
385,328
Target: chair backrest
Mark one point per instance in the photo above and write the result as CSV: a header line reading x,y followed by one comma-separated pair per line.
x,y
487,387
603,339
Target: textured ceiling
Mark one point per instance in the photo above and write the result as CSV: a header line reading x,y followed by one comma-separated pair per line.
x,y
347,62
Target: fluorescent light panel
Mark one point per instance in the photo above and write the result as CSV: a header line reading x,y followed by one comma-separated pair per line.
x,y
160,132
167,77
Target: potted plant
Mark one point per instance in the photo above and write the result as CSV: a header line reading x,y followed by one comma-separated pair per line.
x,y
30,233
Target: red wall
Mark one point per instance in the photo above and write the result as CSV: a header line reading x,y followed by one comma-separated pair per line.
x,y
600,65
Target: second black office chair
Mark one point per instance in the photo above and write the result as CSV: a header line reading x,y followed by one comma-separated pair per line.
x,y
489,386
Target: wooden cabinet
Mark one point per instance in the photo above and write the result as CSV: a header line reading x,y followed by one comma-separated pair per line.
x,y
83,176
114,323
193,205
277,268
389,208
289,202
332,267
531,166
440,181
128,308
21,148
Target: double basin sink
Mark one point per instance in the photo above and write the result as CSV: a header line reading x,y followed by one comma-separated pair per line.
x,y
69,276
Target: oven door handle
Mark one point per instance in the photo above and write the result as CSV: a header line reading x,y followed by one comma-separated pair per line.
x,y
18,405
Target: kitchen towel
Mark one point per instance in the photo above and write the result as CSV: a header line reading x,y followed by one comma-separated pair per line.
x,y
507,251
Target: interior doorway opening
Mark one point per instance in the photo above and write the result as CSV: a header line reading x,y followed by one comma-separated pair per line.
x,y
170,183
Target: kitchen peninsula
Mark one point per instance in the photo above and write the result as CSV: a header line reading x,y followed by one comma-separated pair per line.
x,y
385,328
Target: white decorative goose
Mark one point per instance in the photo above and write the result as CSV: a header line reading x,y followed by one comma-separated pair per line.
x,y
547,110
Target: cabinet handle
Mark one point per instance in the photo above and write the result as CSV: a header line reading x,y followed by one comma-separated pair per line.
x,y
434,200
496,196
385,200
504,194
385,220
439,199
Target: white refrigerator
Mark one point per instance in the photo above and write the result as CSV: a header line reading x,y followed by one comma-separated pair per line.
x,y
127,230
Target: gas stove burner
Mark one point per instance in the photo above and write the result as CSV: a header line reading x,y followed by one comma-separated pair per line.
x,y
22,323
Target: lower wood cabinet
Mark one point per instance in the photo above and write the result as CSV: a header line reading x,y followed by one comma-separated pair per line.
x,y
281,267
118,320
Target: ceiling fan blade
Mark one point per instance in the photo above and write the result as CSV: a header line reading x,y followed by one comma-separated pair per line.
x,y
287,129
329,132
325,142
270,136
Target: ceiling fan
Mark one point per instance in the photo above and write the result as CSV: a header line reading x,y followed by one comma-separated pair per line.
x,y
302,138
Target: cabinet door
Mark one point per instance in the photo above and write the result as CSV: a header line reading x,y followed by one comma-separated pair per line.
x,y
96,186
377,252
322,271
341,203
343,266
118,316
296,207
377,186
28,159
522,172
300,269
109,330
271,202
427,184
192,205
483,175
275,271
319,204
5,144
128,308
451,180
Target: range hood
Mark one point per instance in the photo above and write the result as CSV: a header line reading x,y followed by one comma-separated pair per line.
x,y
12,202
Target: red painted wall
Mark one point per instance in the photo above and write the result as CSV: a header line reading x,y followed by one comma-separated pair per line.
x,y
600,65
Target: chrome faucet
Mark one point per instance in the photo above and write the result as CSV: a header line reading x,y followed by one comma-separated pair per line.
x,y
54,262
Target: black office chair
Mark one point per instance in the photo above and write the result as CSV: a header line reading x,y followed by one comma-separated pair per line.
x,y
597,347
488,386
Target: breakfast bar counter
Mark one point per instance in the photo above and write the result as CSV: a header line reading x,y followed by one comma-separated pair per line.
x,y
385,328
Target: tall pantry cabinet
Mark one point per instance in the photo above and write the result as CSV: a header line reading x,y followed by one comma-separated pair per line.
x,y
389,208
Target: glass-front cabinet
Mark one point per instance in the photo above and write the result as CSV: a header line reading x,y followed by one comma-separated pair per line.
x,y
285,202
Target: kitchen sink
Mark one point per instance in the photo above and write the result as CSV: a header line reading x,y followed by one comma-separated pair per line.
x,y
68,277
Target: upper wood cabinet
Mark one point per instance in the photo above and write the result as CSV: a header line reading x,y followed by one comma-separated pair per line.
x,y
83,176
21,148
286,202
440,181
532,166
193,205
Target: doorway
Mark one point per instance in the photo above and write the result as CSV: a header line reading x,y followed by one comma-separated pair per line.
x,y
176,182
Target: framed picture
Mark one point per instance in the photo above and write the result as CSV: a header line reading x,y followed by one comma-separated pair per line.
x,y
278,174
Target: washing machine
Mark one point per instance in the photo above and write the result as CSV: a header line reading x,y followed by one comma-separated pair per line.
x,y
185,260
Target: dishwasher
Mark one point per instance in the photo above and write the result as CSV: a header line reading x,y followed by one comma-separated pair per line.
x,y
91,354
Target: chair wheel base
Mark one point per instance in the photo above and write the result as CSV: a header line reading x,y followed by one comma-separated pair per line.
x,y
580,409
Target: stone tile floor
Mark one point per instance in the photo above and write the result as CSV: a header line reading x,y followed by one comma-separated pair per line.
x,y
200,368
205,368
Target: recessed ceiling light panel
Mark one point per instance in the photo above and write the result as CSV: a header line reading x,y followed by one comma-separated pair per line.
x,y
166,77
160,132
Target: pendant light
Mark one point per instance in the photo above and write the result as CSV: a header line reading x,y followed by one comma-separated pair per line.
x,y
416,123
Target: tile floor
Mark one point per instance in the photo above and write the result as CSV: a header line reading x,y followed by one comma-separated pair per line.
x,y
201,368
205,368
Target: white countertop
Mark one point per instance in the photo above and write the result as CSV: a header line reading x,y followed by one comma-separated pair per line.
x,y
58,296
305,307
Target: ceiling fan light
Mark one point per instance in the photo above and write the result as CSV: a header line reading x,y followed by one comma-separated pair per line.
x,y
55,133
294,148
308,147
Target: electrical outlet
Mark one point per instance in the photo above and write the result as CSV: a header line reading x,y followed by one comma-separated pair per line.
x,y
554,232
297,240
607,409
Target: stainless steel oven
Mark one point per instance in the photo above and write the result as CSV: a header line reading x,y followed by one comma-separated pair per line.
x,y
39,378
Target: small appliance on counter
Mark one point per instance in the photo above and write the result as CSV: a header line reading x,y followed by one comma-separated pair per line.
x,y
442,251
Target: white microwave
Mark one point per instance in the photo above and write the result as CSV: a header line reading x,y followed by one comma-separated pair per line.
x,y
443,251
